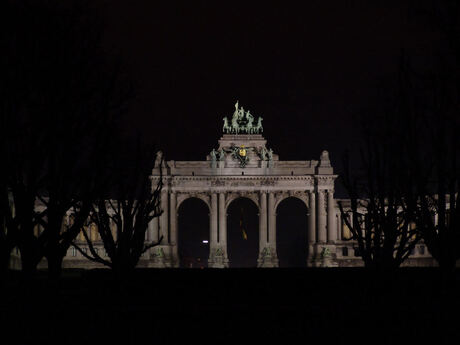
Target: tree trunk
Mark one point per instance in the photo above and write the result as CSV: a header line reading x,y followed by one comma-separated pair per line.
x,y
54,265
5,255
29,265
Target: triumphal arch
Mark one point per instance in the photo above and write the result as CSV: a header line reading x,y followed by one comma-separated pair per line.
x,y
243,165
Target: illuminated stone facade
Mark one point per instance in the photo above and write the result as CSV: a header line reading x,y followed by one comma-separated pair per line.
x,y
243,166
266,182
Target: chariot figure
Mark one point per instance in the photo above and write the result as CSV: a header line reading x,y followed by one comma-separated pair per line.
x,y
249,127
226,128
235,127
258,128
241,113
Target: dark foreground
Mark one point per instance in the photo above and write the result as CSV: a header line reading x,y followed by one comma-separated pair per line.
x,y
284,306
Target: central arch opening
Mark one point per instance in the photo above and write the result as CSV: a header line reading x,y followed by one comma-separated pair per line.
x,y
243,233
193,233
291,233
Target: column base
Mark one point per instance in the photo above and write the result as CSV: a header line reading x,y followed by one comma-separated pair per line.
x,y
322,255
218,258
267,258
160,257
175,260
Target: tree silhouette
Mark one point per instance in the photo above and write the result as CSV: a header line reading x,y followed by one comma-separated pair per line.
x,y
122,221
436,208
437,177
60,92
380,184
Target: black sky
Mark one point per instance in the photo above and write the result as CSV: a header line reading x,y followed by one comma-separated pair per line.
x,y
307,69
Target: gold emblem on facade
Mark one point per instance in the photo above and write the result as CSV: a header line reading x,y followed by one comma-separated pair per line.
x,y
242,151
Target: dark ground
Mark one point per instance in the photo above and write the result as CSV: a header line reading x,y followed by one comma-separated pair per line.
x,y
232,306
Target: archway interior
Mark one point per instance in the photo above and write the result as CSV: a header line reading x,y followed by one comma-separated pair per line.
x,y
291,233
193,232
243,233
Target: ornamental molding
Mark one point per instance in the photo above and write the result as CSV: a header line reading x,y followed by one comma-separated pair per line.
x,y
266,179
231,196
240,154
268,182
243,183
182,196
301,195
217,183
325,181
177,184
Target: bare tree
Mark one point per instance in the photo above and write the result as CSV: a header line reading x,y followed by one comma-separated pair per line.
x,y
380,223
380,184
7,231
436,207
122,222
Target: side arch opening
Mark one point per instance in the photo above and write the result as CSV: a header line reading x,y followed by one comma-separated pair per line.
x,y
193,233
243,233
291,233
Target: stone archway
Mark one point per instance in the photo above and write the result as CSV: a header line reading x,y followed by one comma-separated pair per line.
x,y
193,233
244,166
242,232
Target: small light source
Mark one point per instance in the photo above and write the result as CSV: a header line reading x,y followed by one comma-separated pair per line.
x,y
205,241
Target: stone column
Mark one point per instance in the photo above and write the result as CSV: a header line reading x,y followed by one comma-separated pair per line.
x,y
222,233
265,252
148,234
263,221
164,221
153,230
322,235
222,259
273,262
213,221
160,254
312,219
331,228
173,229
338,220
154,224
212,229
271,220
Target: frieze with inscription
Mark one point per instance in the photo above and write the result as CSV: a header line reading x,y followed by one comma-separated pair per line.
x,y
217,183
242,184
268,182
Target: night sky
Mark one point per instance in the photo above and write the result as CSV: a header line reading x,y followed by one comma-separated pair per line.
x,y
306,69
